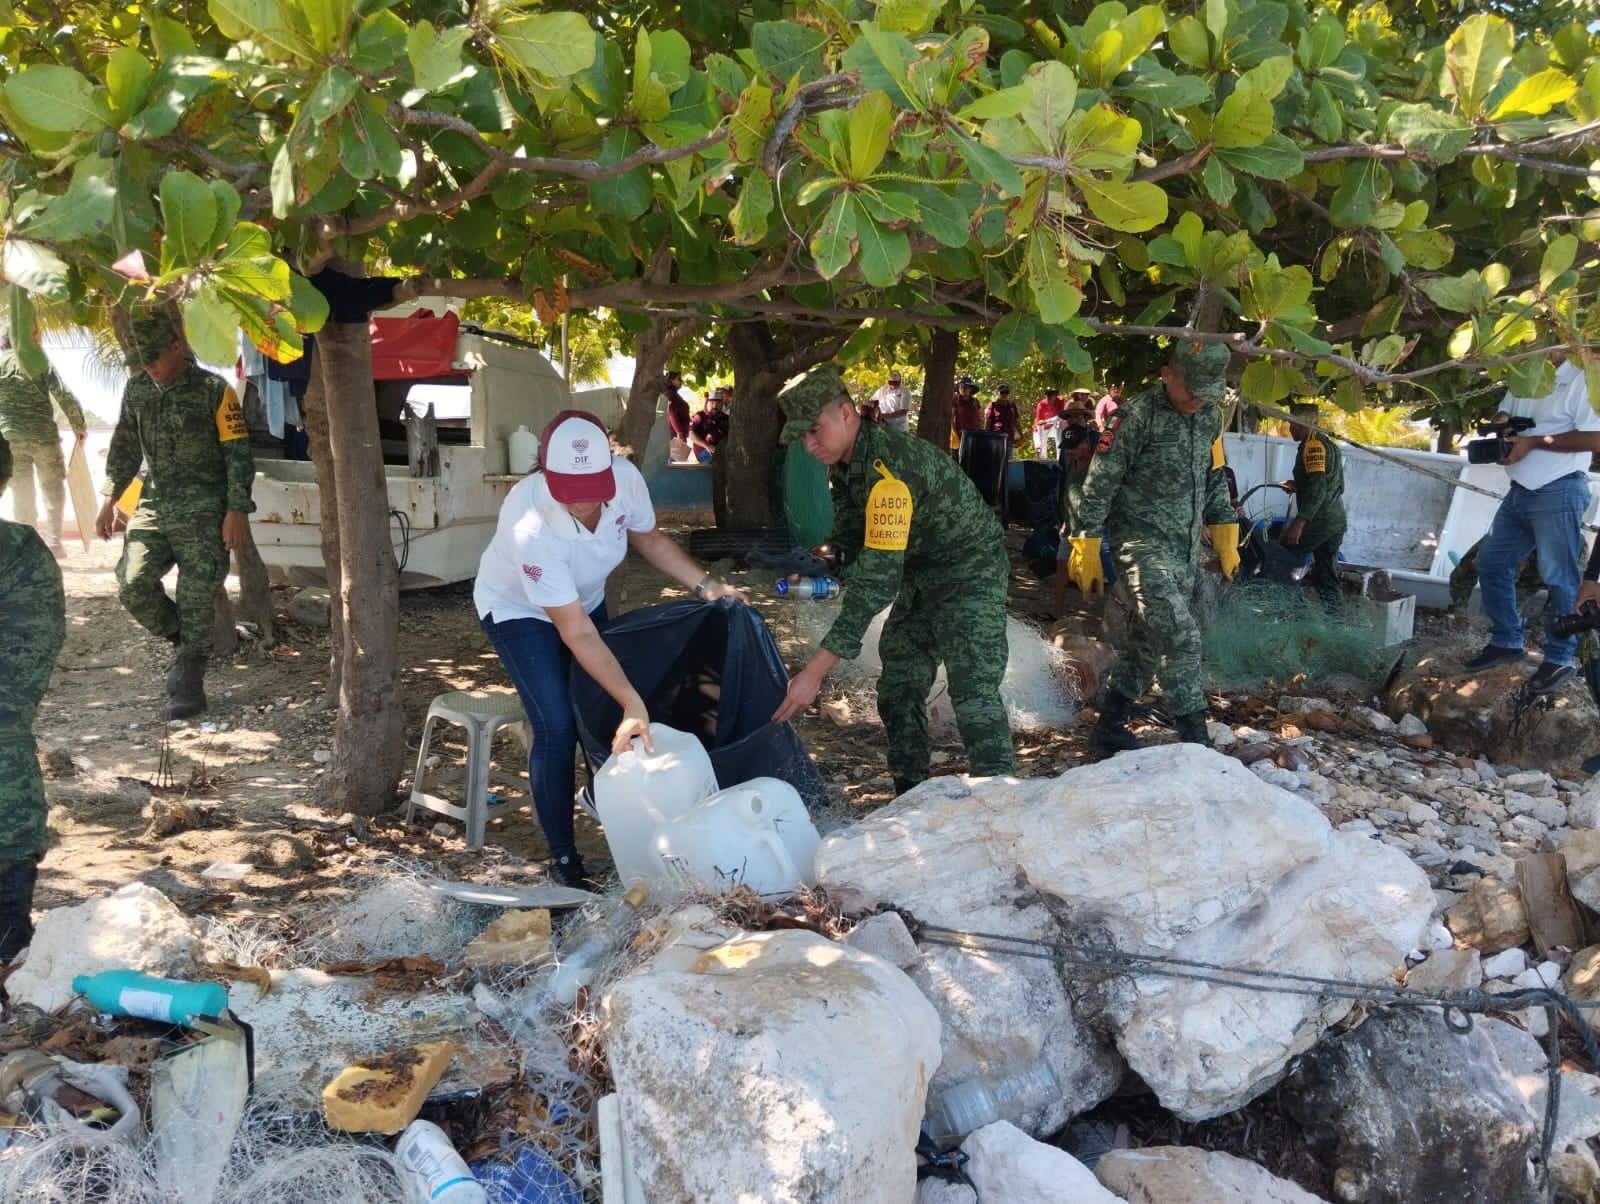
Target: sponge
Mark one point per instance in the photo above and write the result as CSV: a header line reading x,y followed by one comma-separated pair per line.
x,y
384,1095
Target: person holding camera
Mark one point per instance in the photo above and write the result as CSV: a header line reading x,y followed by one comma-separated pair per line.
x,y
1545,444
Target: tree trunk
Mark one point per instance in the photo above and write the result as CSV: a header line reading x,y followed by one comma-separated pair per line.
x,y
650,356
368,737
1444,439
938,386
255,591
224,634
751,449
313,406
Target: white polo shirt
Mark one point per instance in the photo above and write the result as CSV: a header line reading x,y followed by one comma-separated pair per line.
x,y
541,556
1565,408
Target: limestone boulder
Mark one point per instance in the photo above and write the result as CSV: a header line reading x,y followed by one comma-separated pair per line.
x,y
1182,1175
1408,1110
1006,1164
1171,850
134,928
1490,918
775,1067
1581,852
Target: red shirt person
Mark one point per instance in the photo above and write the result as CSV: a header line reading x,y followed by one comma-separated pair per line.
x,y
677,406
1048,407
965,414
1001,415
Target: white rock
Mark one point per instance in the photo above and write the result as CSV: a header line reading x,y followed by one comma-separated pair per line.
x,y
322,756
1221,734
1181,1175
1421,813
1508,964
1447,969
134,928
1533,781
1545,974
1008,1165
937,1191
1410,725
886,936
1376,720
1584,811
1290,704
781,1066
1170,849
1551,812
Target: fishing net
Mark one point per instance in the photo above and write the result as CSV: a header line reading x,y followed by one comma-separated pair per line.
x,y
1256,630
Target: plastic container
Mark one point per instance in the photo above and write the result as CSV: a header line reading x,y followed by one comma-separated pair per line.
x,y
576,968
813,589
636,792
523,451
529,1177
169,1000
1009,1094
757,834
431,1170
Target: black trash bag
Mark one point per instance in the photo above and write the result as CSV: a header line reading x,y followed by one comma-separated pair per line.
x,y
984,456
708,668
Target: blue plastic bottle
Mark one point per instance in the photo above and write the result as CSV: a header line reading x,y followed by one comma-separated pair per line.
x,y
816,589
170,1000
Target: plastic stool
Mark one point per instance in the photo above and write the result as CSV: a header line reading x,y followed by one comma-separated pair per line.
x,y
481,713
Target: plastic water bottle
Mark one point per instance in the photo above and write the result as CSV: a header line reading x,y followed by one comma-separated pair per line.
x,y
578,968
523,451
433,1171
1009,1094
169,1000
817,589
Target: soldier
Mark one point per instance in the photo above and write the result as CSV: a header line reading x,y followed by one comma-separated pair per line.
x,y
916,533
30,639
1155,481
187,427
28,424
1318,488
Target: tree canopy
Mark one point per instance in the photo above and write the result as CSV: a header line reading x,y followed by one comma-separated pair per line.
x,y
1375,198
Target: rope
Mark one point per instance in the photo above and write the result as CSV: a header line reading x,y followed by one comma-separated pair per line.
x,y
1457,1006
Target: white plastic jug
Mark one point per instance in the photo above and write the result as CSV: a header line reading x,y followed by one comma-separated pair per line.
x,y
636,792
757,834
523,453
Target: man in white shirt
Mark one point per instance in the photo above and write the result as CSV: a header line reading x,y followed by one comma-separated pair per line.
x,y
1548,466
894,403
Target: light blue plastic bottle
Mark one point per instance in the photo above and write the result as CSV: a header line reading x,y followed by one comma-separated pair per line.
x,y
170,1000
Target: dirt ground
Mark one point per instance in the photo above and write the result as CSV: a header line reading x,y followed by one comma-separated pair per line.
x,y
239,832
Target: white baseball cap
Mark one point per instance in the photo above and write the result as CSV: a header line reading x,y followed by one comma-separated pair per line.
x,y
575,454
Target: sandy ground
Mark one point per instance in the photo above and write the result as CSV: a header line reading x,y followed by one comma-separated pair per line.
x,y
246,773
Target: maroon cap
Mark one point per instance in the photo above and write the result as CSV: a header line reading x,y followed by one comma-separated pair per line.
x,y
575,455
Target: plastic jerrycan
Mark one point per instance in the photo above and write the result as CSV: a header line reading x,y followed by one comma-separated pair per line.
x,y
637,792
522,451
756,833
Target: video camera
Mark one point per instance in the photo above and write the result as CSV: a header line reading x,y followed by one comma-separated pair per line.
x,y
1587,619
1496,445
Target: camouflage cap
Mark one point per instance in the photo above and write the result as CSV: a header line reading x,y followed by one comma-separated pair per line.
x,y
148,336
1204,367
1306,411
803,400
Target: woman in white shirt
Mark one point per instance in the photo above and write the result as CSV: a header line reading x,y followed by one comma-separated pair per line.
x,y
540,593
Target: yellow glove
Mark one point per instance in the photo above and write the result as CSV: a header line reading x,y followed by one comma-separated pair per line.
x,y
1225,539
1083,565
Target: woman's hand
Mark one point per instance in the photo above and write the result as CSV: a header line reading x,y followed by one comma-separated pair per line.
x,y
635,724
721,589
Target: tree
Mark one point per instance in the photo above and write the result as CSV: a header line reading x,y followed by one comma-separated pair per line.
x,y
1380,205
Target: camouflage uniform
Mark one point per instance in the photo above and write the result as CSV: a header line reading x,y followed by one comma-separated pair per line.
x,y
30,639
29,426
1319,499
941,561
1153,485
191,436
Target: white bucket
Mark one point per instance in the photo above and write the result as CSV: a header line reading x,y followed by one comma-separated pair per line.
x,y
636,792
755,834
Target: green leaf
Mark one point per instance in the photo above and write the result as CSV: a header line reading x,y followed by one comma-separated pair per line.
x,y
1122,206
356,154
1461,294
169,37
307,303
1011,339
1007,102
833,244
1277,158
1267,381
1303,342
785,49
1275,292
627,196
882,58
1430,132
1268,78
281,181
552,46
128,75
1536,95
56,100
1591,376
1219,181
1355,201
84,211
870,122
1327,123
1189,41
1189,234
885,253
1245,119
379,42
890,204
1558,257
1163,89
1100,139
1476,55
752,124
987,165
907,16
1320,43
247,265
945,216
262,22
188,219
335,89
33,268
328,22
211,324
1051,93
1532,378
435,56
228,204
1426,249
749,214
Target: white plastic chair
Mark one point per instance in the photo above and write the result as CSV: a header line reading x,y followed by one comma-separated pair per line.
x,y
481,713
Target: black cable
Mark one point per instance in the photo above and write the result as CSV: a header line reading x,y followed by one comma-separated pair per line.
x,y
405,538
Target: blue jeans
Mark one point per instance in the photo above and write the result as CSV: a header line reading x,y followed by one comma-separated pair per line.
x,y
1547,522
539,664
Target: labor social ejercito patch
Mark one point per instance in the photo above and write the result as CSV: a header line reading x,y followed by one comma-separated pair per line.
x,y
230,418
1316,455
888,513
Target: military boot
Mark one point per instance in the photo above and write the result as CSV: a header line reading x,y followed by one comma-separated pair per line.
x,y
17,880
1191,728
186,695
1111,734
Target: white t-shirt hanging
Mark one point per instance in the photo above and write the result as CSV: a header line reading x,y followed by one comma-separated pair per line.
x,y
1565,408
541,556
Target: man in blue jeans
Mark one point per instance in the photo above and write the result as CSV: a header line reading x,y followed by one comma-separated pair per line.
x,y
1548,466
